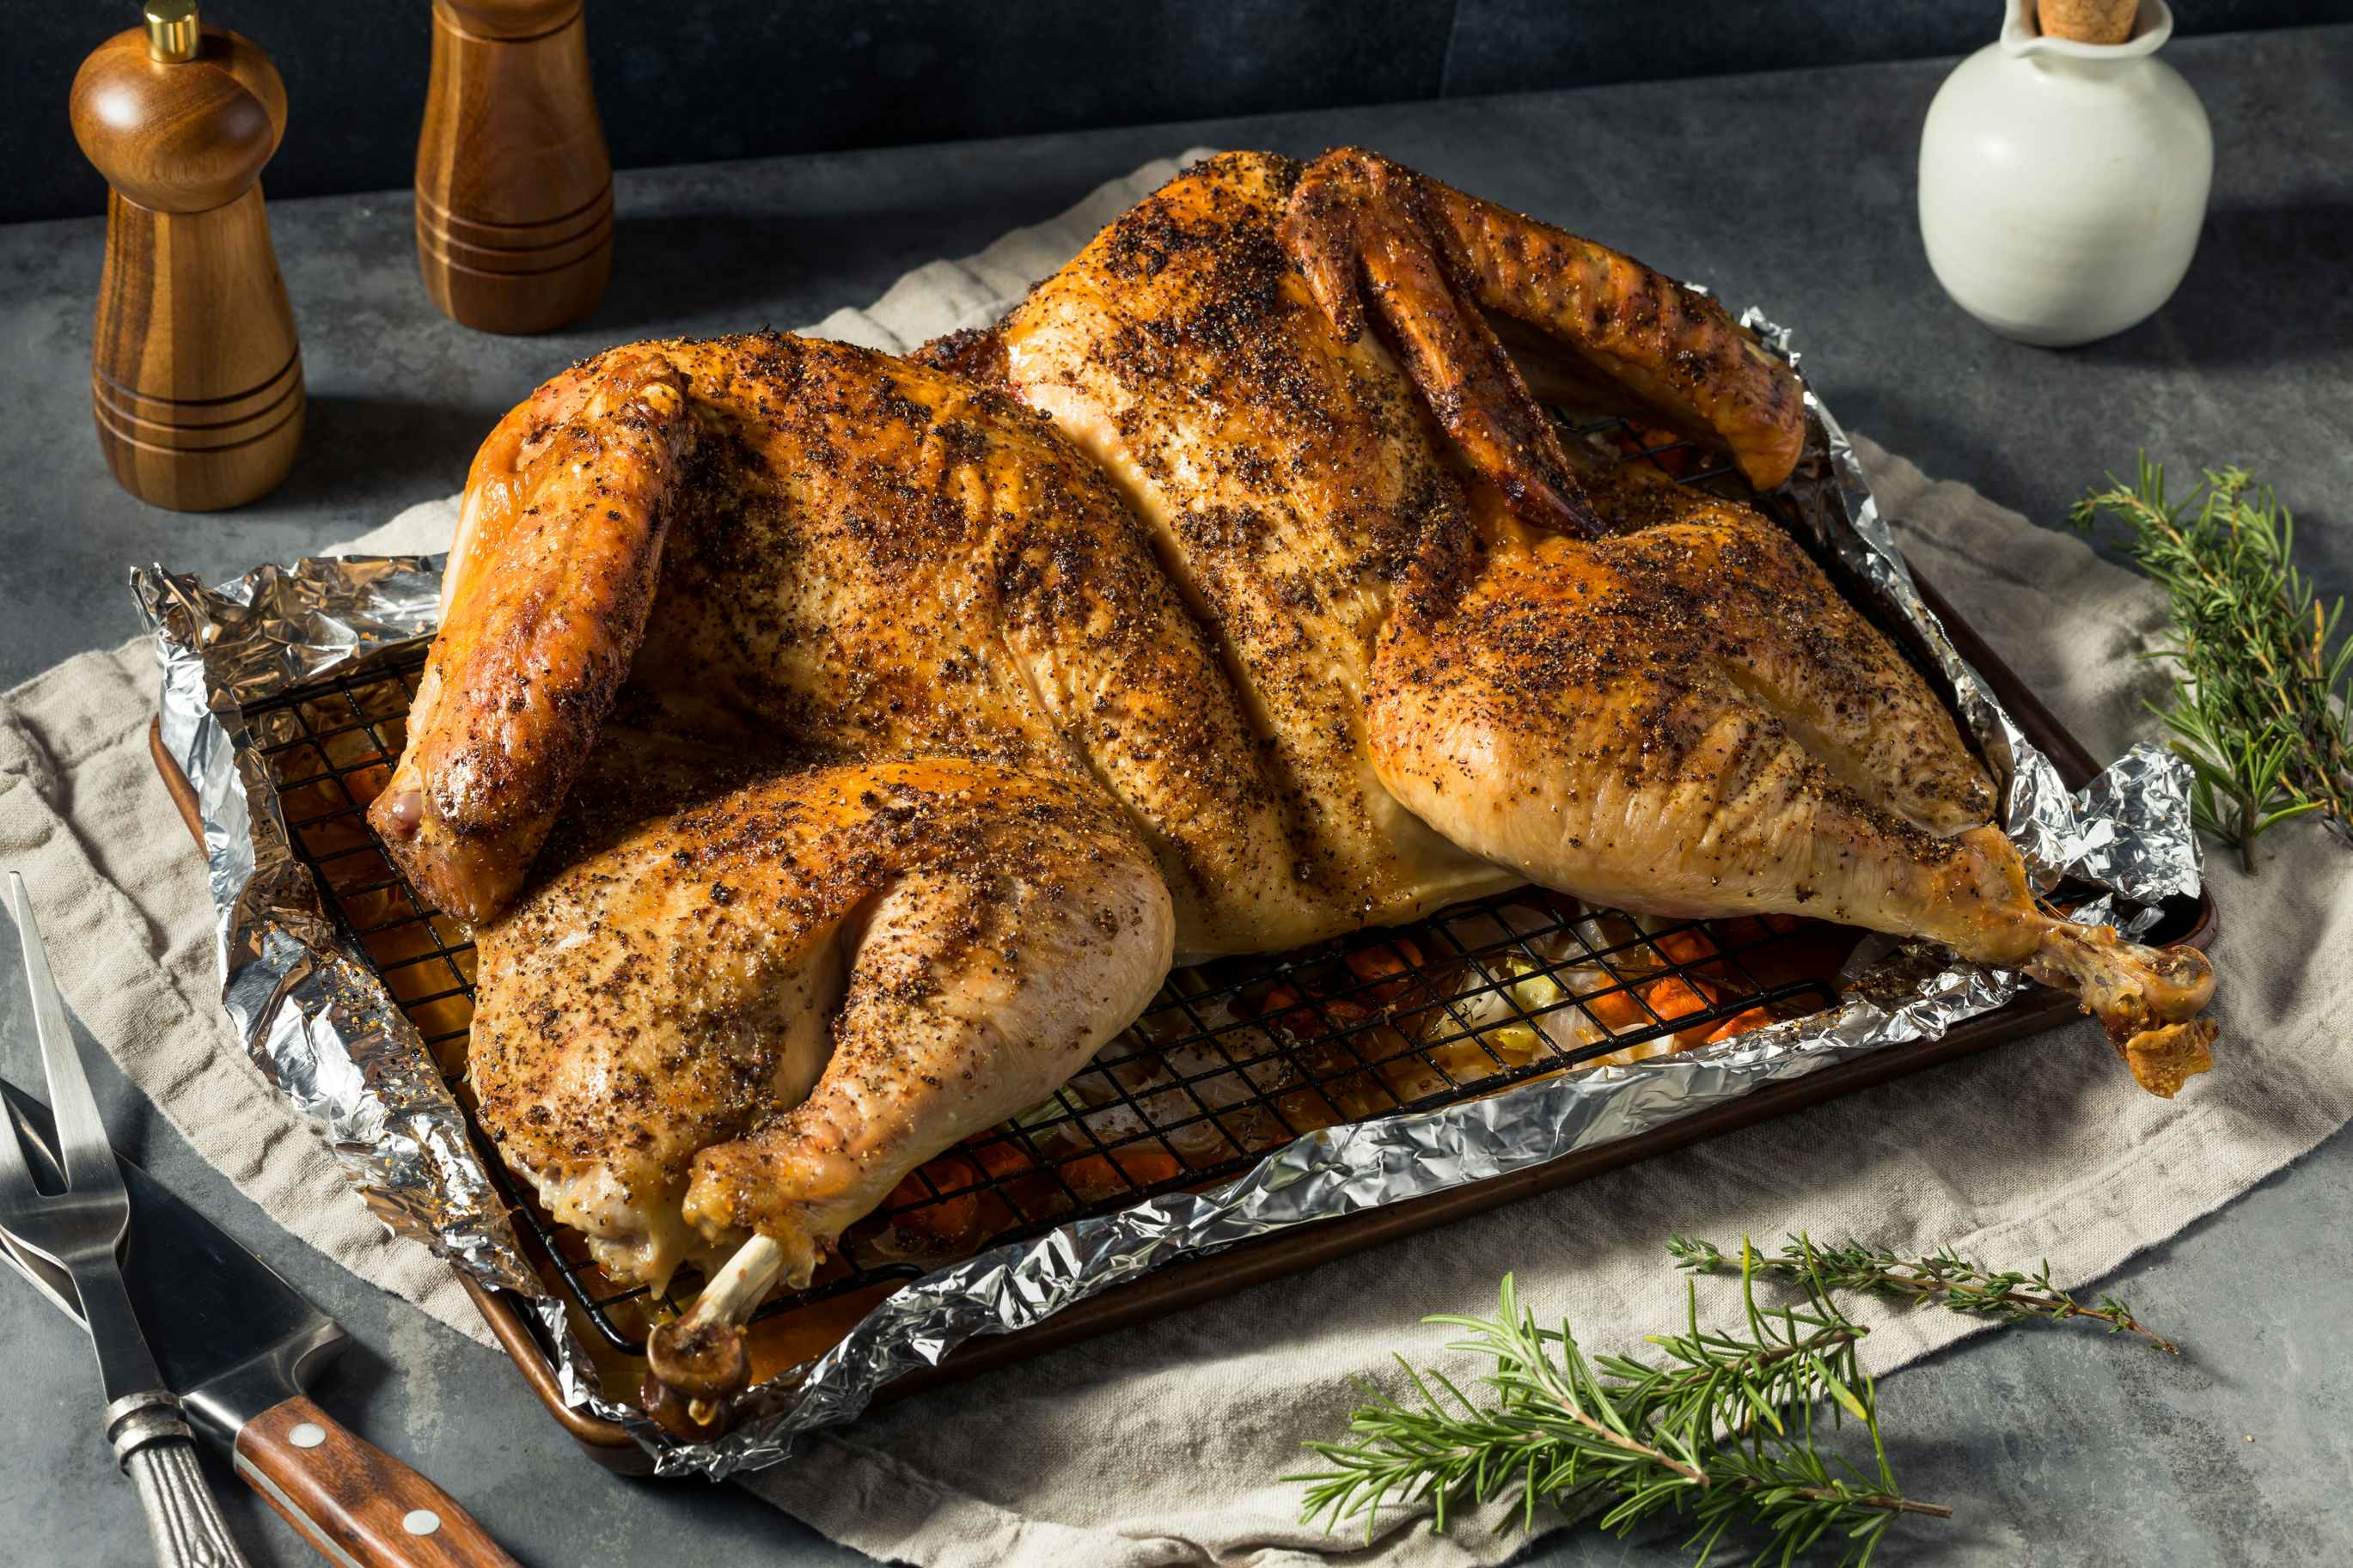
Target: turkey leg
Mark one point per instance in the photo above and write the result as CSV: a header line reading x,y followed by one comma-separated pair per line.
x,y
736,1028
1590,714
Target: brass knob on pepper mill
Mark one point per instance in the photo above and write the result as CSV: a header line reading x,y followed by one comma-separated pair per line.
x,y
196,376
514,187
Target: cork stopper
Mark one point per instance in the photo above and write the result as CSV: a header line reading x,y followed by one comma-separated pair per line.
x,y
2088,21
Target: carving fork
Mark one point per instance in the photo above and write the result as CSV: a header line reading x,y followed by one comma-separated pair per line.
x,y
79,1230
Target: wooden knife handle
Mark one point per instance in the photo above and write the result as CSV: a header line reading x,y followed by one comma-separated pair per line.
x,y
357,1504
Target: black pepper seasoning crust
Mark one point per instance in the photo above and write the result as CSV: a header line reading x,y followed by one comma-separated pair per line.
x,y
888,634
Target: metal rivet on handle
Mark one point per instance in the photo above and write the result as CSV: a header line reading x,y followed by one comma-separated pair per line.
x,y
420,1521
307,1435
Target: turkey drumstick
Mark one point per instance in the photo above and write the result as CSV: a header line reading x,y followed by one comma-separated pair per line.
x,y
752,1016
1698,724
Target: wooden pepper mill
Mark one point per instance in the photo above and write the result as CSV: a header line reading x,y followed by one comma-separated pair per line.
x,y
514,187
196,376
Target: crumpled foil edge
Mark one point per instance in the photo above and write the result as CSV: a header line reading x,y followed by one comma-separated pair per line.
x,y
2129,831
323,1029
313,1016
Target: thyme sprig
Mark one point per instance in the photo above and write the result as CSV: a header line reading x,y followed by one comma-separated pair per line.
x,y
2260,707
1945,1280
1722,1432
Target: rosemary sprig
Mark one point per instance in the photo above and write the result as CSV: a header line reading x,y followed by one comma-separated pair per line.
x,y
1723,1432
1945,1279
2260,709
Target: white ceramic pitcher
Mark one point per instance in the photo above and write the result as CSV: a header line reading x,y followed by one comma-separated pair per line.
x,y
2063,184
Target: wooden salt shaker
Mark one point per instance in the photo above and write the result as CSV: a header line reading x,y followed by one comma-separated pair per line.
x,y
514,187
195,377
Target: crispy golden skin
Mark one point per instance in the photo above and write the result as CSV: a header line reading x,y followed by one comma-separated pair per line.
x,y
550,582
857,557
763,1009
1690,720
833,749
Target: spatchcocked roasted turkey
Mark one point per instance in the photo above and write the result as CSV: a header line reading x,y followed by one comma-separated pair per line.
x,y
831,750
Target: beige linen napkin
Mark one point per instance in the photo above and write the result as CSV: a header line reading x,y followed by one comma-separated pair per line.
x,y
1157,1446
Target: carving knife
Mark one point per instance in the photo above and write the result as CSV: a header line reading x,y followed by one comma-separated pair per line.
x,y
238,1346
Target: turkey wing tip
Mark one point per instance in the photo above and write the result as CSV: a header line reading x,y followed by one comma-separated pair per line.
x,y
1431,259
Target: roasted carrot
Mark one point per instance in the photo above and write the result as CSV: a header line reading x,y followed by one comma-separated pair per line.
x,y
1376,962
1001,1157
1684,946
949,1218
1740,1023
1676,997
1280,1008
1693,949
1093,1176
1148,1163
1616,1011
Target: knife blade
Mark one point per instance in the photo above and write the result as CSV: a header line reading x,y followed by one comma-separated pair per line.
x,y
240,1345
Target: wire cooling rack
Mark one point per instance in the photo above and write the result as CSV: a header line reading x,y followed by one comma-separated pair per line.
x,y
1233,1057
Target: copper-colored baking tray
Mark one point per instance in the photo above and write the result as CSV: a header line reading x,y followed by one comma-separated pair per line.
x,y
1202,1279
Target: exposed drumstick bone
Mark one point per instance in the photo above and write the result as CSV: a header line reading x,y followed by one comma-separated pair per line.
x,y
702,1357
2147,999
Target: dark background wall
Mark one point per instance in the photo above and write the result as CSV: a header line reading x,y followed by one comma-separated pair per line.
x,y
688,81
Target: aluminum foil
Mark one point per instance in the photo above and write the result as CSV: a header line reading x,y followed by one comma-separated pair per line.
x,y
324,1030
2129,830
312,1014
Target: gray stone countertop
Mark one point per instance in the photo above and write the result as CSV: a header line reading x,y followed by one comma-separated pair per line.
x,y
1794,191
